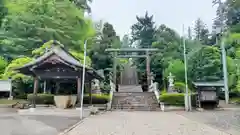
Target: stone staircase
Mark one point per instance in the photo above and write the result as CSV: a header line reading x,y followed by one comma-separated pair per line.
x,y
131,97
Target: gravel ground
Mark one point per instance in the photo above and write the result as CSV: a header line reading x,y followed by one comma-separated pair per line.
x,y
228,120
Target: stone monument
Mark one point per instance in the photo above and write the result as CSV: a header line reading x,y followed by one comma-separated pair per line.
x,y
171,83
96,87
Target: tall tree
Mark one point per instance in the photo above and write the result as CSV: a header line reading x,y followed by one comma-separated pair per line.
x,y
108,38
144,31
201,31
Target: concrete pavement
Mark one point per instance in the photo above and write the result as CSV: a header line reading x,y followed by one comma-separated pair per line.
x,y
41,122
142,123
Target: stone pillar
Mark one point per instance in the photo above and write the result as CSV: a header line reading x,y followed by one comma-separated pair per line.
x,y
148,70
45,87
35,90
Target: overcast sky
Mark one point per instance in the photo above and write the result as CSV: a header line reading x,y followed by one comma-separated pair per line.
x,y
173,13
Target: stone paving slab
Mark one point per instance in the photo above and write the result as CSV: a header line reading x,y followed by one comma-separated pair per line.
x,y
142,123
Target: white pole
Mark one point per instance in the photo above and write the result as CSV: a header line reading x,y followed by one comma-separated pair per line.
x,y
225,72
44,87
187,101
83,79
224,63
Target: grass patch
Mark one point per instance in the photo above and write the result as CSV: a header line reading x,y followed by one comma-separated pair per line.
x,y
10,102
235,100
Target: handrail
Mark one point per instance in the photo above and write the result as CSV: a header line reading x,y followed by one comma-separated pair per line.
x,y
153,88
109,104
156,91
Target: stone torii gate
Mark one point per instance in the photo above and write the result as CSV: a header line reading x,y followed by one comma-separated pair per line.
x,y
129,53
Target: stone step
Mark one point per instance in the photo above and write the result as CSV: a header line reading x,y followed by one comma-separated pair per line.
x,y
136,107
141,101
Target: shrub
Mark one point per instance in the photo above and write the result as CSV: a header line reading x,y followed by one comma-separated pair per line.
x,y
96,99
235,100
176,99
41,98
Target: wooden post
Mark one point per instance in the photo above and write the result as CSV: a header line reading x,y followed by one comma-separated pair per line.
x,y
57,87
90,92
79,89
35,92
148,68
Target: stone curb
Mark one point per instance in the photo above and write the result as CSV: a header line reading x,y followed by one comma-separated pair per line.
x,y
217,109
71,128
66,131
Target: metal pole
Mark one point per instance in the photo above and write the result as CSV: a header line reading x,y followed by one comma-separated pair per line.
x,y
115,70
187,99
225,72
83,79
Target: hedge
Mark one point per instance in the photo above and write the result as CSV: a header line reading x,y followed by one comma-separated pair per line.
x,y
235,100
41,98
96,99
49,98
176,99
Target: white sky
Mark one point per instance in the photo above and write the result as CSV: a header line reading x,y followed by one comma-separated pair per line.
x,y
173,13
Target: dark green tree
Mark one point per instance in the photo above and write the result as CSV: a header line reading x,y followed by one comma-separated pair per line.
x,y
201,32
144,31
107,39
205,65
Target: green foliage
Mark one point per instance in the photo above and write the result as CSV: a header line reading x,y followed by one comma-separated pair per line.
x,y
107,39
201,32
180,86
96,99
41,98
3,65
176,99
80,57
205,65
143,33
232,70
30,23
176,67
235,100
17,63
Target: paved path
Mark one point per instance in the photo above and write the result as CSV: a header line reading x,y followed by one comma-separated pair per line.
x,y
142,123
42,122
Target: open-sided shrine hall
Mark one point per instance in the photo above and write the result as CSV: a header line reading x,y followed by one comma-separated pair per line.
x,y
59,65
